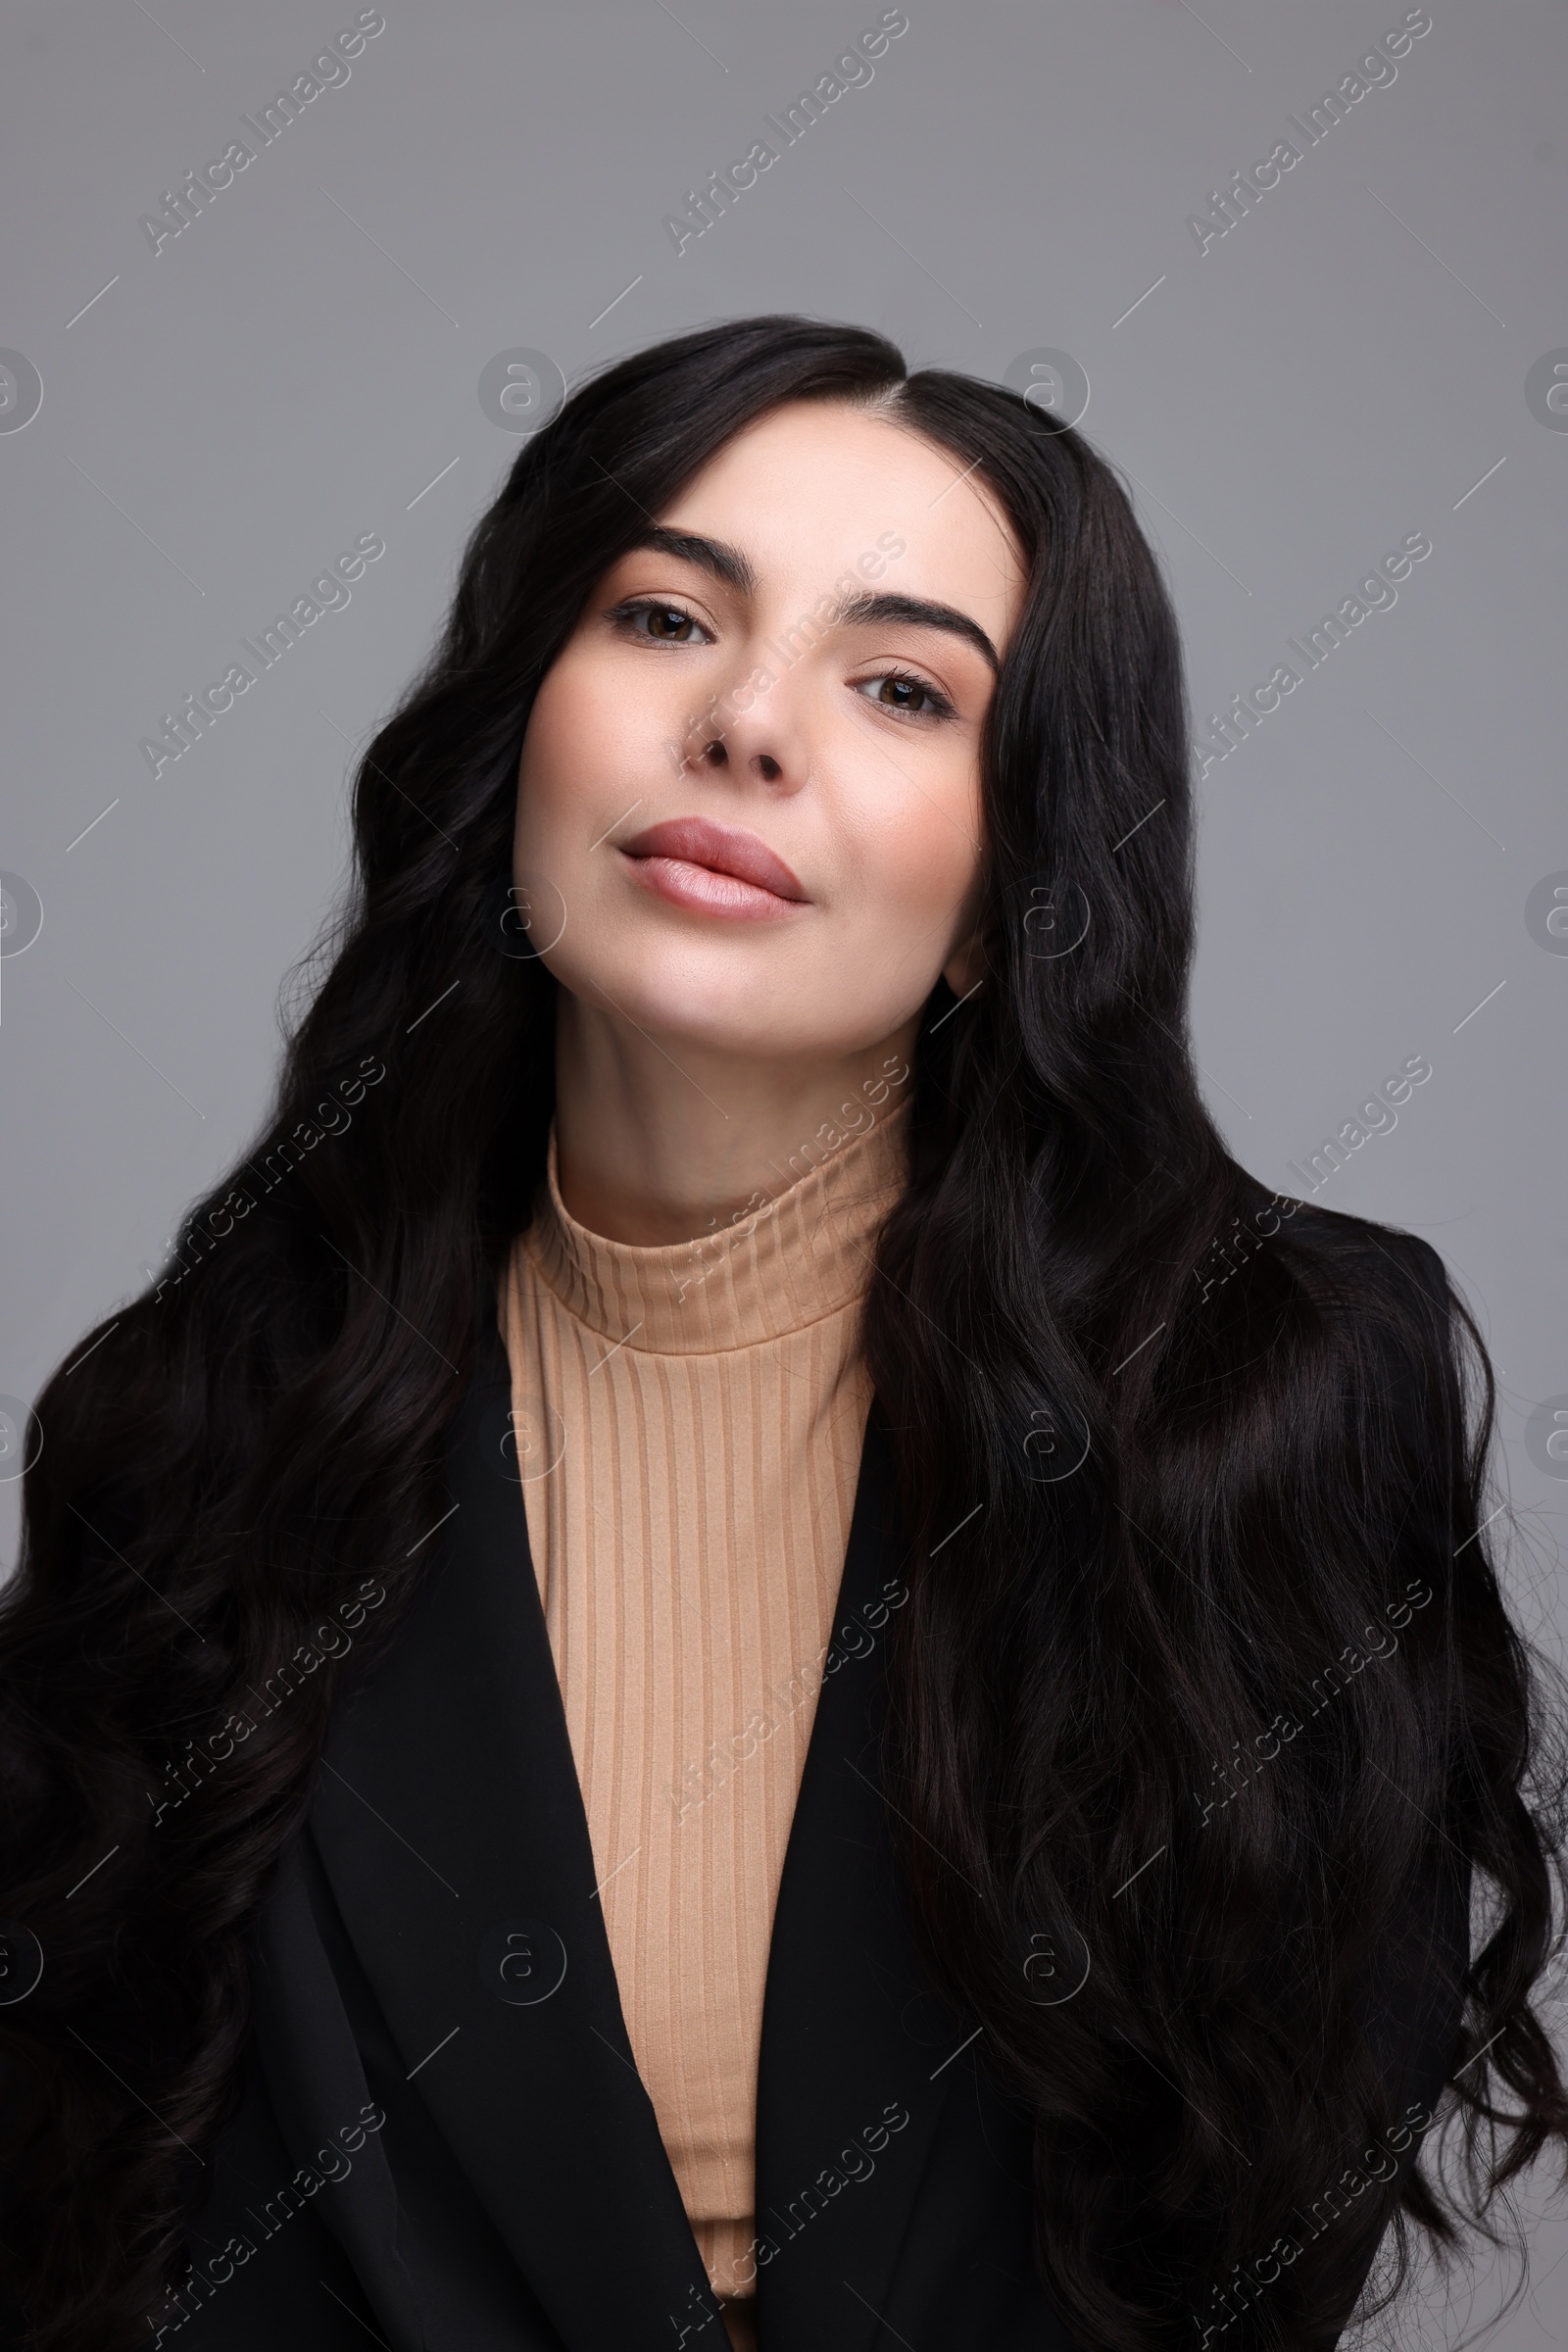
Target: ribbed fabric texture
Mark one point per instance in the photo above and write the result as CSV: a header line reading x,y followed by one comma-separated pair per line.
x,y
689,1421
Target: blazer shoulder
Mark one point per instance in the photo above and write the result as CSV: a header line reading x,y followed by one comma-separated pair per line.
x,y
1383,1311
1373,1274
1423,1265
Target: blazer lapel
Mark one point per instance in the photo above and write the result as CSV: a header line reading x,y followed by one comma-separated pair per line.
x,y
328,2121
450,1823
856,2050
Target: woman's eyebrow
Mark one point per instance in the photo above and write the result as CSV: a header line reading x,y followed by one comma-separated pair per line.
x,y
713,555
727,563
917,613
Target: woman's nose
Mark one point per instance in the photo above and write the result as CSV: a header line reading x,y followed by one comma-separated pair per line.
x,y
717,754
750,733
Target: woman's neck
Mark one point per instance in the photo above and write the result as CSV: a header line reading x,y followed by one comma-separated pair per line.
x,y
654,1144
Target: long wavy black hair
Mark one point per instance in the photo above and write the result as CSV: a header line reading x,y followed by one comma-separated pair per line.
x,y
1204,1694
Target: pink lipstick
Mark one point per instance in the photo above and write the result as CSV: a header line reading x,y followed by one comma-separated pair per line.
x,y
713,870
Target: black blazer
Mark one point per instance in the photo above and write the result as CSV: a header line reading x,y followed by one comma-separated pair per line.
x,y
445,2145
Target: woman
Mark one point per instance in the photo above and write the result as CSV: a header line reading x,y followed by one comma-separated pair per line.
x,y
745,1644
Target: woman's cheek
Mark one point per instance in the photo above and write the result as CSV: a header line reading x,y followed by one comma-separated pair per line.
x,y
932,860
556,782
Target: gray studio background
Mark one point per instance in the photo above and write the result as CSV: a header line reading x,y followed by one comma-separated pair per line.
x,y
1364,356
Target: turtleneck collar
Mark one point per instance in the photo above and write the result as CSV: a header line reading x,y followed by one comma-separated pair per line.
x,y
786,1262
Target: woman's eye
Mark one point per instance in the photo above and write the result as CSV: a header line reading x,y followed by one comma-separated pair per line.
x,y
665,624
911,696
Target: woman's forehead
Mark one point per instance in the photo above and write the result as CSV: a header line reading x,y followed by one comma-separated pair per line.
x,y
806,490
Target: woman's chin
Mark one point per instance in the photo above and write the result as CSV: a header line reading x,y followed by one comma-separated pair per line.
x,y
703,1024
737,1016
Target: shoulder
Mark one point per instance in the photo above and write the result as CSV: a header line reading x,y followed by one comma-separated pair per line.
x,y
1349,1261
1384,1293
1362,1331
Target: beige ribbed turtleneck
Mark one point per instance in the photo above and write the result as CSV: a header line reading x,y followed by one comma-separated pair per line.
x,y
689,1421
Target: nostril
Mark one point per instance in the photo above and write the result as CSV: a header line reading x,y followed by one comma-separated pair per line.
x,y
715,754
771,770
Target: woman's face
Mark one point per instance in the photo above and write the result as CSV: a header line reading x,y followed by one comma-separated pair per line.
x,y
749,801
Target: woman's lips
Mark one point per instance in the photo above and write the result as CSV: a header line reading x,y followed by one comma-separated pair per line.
x,y
692,862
